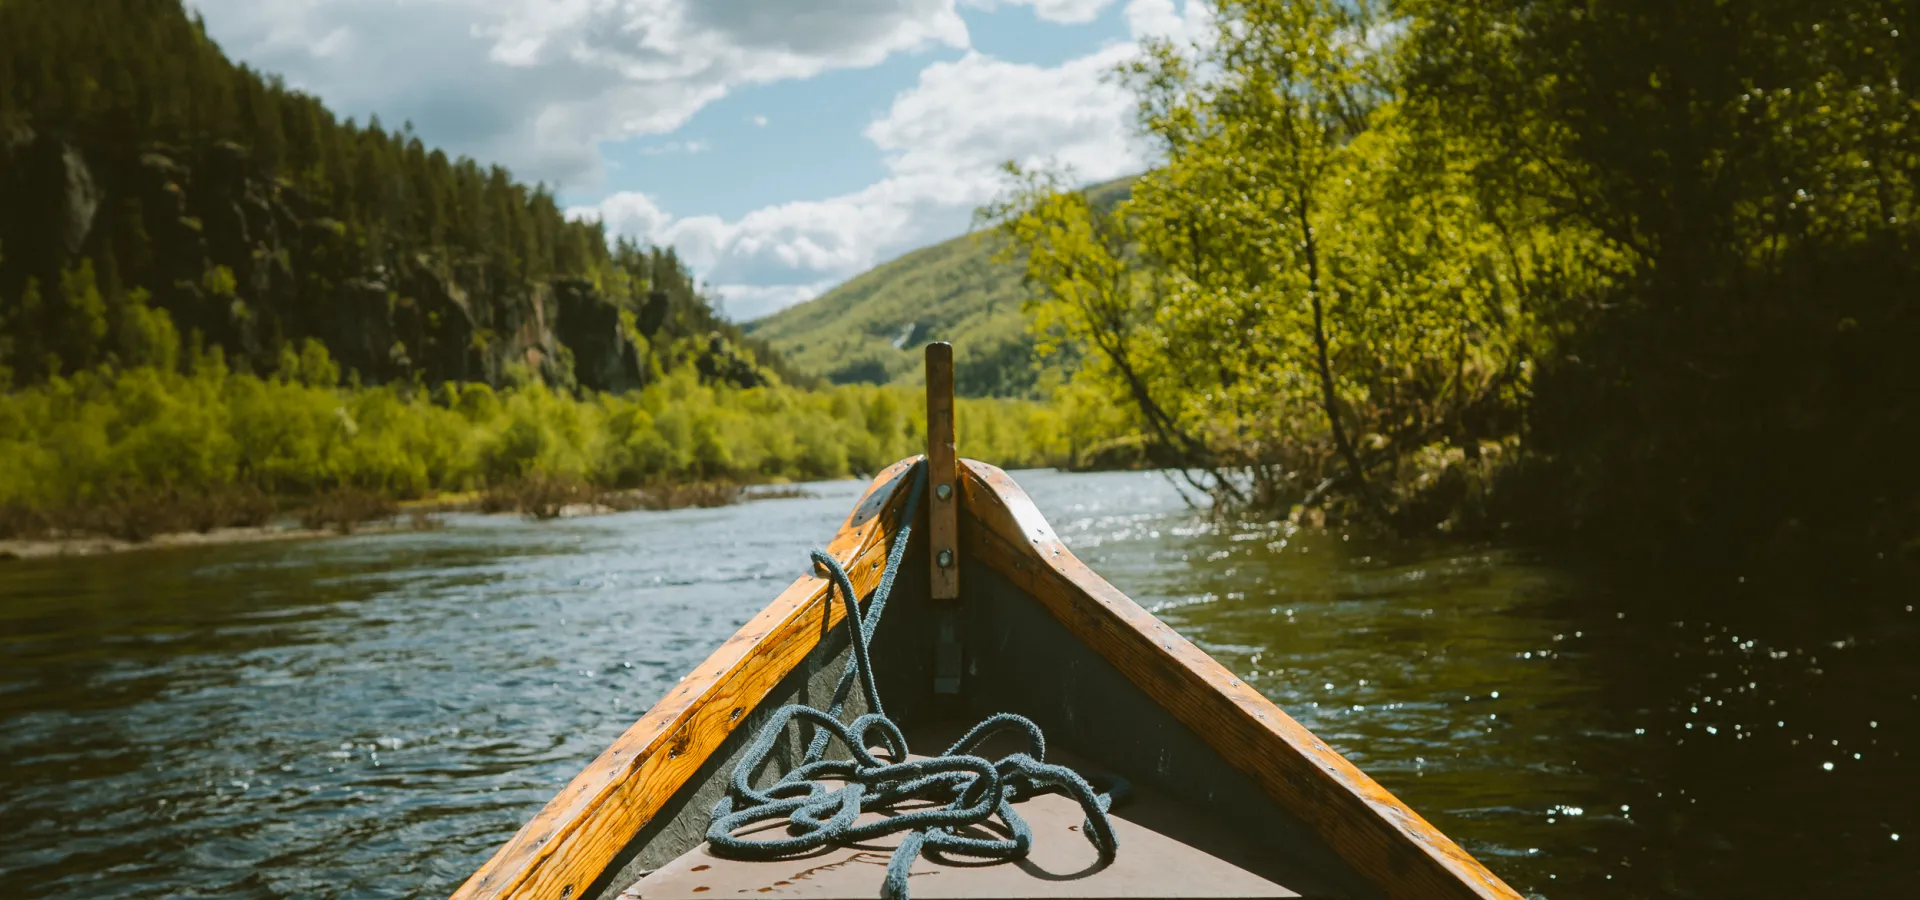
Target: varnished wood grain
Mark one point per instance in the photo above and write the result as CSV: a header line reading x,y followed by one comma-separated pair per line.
x,y
1388,843
943,469
570,842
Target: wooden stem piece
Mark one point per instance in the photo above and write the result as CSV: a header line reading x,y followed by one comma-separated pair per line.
x,y
943,508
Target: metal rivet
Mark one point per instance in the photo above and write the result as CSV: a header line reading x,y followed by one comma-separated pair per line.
x,y
943,491
946,559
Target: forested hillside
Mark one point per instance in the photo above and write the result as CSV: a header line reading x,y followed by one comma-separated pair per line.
x,y
142,172
219,302
869,330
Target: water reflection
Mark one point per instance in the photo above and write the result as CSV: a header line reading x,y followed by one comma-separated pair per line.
x,y
370,717
363,717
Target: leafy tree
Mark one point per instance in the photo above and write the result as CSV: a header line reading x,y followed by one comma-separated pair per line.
x,y
1745,379
80,320
1310,291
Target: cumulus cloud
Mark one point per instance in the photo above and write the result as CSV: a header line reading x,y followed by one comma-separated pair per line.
x,y
742,302
1067,12
539,84
1185,23
943,141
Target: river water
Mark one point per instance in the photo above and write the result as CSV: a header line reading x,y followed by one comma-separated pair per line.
x,y
371,716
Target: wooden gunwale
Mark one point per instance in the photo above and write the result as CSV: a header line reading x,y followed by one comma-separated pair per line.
x,y
1388,843
576,836
573,840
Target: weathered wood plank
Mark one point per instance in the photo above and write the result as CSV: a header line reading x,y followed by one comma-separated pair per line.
x,y
943,473
1388,843
563,848
1063,865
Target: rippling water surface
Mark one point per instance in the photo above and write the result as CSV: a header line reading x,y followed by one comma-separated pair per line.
x,y
371,716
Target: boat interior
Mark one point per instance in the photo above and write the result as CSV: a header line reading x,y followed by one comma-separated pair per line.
x,y
989,612
1191,826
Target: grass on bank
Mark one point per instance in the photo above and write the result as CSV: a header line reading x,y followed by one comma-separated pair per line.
x,y
142,451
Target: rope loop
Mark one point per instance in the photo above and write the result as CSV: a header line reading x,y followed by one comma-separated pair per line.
x,y
949,793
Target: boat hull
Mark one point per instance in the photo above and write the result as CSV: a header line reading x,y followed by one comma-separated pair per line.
x,y
1040,634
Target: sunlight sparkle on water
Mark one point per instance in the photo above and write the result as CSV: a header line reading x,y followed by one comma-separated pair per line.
x,y
1404,627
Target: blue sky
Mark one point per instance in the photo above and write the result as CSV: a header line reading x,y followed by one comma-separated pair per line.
x,y
782,146
811,146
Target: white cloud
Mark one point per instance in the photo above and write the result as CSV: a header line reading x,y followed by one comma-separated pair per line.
x,y
1066,12
741,302
629,213
1186,23
943,141
539,84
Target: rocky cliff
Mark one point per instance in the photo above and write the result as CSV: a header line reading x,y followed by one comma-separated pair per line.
x,y
248,262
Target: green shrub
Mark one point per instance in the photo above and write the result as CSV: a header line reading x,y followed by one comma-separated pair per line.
x,y
139,450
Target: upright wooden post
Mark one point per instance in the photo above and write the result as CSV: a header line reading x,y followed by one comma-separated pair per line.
x,y
943,474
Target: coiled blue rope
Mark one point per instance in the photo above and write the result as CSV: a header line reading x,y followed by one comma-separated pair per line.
x,y
956,790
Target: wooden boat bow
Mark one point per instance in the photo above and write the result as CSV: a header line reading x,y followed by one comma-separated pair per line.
x,y
1053,642
572,843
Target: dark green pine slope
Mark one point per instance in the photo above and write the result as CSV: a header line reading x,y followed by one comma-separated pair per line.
x,y
871,329
153,194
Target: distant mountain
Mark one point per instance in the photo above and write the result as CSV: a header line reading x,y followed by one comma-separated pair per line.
x,y
870,329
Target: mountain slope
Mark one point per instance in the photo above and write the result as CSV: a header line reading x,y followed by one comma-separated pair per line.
x,y
870,329
156,197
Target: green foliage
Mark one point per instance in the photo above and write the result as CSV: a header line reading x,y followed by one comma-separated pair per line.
x,y
324,273
81,316
219,282
135,157
1629,270
146,336
312,366
1309,290
1747,380
104,436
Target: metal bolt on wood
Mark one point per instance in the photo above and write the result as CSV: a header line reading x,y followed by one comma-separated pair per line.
x,y
943,471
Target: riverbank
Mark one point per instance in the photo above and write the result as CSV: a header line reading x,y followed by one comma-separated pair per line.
x,y
96,545
550,501
109,459
135,453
